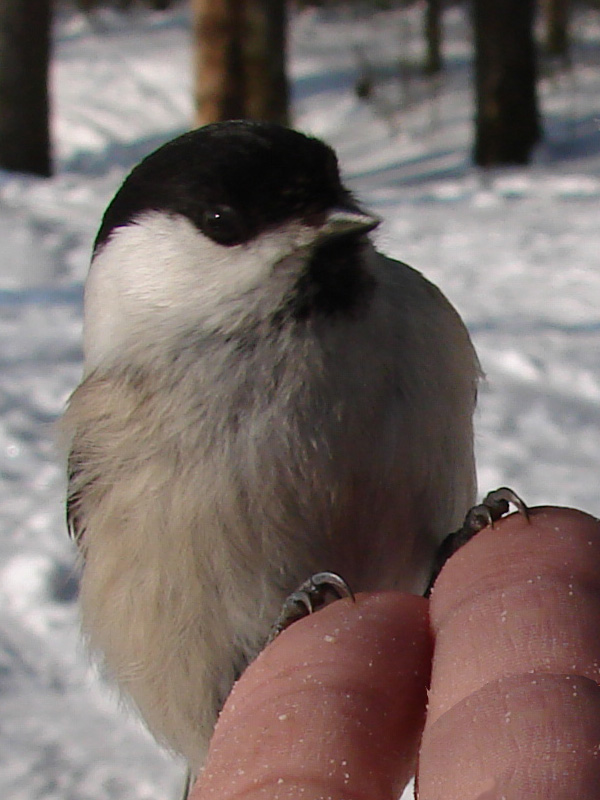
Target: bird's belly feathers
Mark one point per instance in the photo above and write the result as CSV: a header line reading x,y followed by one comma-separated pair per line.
x,y
194,535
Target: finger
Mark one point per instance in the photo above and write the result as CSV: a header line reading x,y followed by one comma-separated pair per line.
x,y
518,597
334,707
514,699
532,736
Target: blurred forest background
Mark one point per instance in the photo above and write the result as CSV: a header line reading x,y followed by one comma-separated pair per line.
x,y
241,67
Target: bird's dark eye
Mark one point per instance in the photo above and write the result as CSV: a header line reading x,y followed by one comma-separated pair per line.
x,y
223,225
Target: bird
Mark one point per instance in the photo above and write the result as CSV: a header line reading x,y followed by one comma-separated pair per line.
x,y
264,396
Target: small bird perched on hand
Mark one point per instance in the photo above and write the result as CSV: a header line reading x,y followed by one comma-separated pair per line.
x,y
265,396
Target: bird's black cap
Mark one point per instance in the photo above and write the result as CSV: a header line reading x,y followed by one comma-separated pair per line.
x,y
233,180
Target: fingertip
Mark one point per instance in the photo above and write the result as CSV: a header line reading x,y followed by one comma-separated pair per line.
x,y
334,706
514,702
520,596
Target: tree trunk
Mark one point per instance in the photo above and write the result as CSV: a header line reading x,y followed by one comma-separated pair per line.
x,y
24,104
507,118
240,60
557,27
433,36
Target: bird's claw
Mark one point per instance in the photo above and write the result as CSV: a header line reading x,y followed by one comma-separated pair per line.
x,y
310,596
493,507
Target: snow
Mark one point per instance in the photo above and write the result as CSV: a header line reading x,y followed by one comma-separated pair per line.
x,y
517,251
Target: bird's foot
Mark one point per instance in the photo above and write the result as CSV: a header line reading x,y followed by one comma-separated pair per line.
x,y
316,592
494,506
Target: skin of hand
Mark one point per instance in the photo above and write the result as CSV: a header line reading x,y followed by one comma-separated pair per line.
x,y
500,667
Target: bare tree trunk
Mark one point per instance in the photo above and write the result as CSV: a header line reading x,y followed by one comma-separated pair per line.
x,y
433,36
24,104
240,60
507,118
557,27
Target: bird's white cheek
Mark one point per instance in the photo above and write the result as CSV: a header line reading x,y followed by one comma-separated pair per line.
x,y
160,275
148,277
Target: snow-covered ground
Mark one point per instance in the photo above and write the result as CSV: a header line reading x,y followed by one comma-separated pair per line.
x,y
518,252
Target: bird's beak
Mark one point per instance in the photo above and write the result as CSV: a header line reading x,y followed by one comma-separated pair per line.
x,y
343,221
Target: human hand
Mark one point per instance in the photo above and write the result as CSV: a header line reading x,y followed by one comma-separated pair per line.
x,y
335,706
